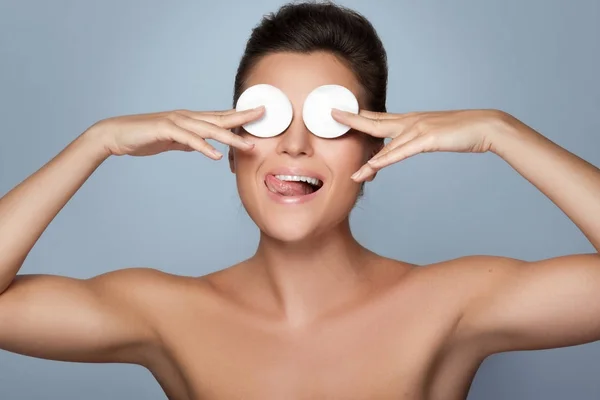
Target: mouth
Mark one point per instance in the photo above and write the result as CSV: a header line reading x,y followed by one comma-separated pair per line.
x,y
293,185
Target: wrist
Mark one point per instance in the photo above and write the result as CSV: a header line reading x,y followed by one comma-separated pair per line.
x,y
94,139
507,131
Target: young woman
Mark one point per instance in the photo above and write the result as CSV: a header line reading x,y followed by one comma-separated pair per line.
x,y
312,314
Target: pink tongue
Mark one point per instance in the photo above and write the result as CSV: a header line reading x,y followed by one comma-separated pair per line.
x,y
286,188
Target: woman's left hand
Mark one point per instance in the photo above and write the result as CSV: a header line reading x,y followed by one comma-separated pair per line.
x,y
423,132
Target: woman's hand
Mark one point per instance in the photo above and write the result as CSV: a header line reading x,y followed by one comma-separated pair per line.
x,y
184,130
423,132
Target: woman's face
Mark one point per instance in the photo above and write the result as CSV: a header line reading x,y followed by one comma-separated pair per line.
x,y
333,161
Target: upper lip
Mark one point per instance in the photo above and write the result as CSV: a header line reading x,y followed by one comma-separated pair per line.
x,y
296,171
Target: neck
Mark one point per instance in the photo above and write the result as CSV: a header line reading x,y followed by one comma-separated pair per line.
x,y
309,277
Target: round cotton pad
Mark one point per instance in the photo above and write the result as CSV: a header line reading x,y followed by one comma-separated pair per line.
x,y
316,111
278,110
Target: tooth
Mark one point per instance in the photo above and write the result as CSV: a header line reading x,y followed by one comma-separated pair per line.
x,y
296,178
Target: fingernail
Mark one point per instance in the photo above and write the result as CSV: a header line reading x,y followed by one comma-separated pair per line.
x,y
357,174
258,108
216,153
374,160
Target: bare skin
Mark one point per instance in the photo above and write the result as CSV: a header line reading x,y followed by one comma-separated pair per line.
x,y
313,314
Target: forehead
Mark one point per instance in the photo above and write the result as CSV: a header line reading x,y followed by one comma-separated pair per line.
x,y
298,74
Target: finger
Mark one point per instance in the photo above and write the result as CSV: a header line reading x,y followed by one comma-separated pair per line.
x,y
404,147
380,128
421,144
209,131
225,118
180,147
233,120
229,120
363,173
190,139
203,114
380,115
222,112
399,140
395,116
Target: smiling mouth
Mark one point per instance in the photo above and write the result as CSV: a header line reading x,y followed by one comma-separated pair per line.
x,y
292,185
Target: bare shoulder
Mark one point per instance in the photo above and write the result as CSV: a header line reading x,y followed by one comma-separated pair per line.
x,y
149,289
471,271
158,289
113,317
136,281
456,284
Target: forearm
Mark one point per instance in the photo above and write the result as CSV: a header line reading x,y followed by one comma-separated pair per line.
x,y
27,210
570,182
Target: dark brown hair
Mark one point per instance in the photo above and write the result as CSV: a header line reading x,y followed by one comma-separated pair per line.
x,y
309,27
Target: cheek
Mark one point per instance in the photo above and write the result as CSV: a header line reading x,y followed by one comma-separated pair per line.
x,y
247,163
344,156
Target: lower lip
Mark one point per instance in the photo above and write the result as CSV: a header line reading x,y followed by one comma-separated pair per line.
x,y
291,199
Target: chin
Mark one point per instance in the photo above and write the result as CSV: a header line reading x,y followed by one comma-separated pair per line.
x,y
294,225
289,229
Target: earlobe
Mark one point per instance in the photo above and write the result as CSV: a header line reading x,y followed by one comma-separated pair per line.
x,y
230,156
375,151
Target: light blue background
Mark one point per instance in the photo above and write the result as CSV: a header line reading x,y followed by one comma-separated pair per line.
x,y
67,64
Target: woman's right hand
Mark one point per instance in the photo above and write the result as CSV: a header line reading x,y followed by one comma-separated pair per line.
x,y
184,130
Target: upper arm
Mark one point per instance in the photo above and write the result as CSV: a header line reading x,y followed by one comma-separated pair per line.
x,y
519,305
101,319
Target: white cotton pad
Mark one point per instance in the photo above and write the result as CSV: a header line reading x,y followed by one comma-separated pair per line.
x,y
278,110
316,111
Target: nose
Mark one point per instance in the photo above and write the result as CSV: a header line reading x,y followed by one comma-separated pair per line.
x,y
296,140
